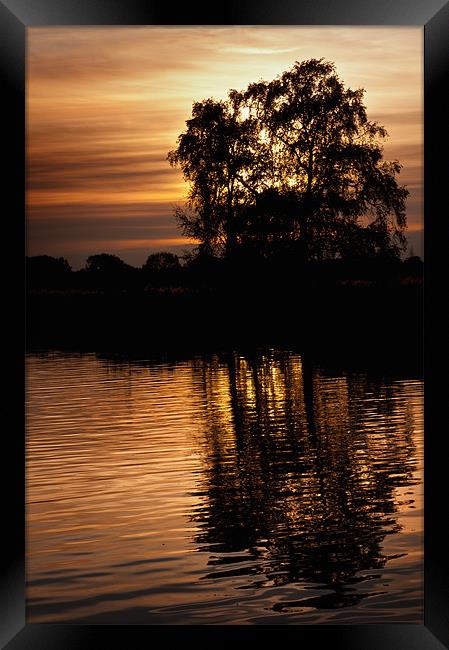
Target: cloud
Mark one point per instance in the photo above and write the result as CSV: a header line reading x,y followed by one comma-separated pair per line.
x,y
106,104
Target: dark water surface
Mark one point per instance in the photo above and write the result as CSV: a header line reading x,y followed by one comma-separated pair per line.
x,y
223,490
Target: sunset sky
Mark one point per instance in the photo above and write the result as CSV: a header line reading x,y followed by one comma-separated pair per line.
x,y
106,104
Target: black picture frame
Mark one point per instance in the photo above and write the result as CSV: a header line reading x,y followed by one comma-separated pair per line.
x,y
15,17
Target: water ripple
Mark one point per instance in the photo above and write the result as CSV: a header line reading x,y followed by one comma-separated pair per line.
x,y
236,489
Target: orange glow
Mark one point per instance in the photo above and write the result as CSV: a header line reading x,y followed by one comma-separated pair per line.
x,y
106,104
138,474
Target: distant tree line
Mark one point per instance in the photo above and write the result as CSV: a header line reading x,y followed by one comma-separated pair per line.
x,y
103,270
290,168
165,269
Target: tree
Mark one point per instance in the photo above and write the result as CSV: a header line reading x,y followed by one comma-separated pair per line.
x,y
215,154
162,262
105,270
162,269
106,263
291,164
47,271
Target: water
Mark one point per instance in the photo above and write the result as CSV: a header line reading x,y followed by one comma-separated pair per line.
x,y
222,490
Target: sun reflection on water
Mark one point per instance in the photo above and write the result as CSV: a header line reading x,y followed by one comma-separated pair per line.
x,y
227,489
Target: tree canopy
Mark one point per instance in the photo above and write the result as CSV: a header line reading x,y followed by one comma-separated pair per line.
x,y
293,164
106,263
45,270
160,262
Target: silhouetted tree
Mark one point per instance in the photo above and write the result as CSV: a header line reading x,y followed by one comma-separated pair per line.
x,y
47,271
105,262
215,154
108,271
413,266
294,162
162,269
157,262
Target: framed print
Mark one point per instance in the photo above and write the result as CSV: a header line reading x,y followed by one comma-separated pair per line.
x,y
227,342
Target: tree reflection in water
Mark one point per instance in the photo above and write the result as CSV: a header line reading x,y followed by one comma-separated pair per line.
x,y
300,471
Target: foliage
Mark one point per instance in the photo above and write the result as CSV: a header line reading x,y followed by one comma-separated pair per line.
x,y
159,262
290,164
48,264
105,263
45,270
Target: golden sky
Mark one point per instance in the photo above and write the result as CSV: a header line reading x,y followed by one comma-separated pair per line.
x,y
106,104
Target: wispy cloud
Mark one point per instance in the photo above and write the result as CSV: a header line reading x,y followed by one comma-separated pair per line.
x,y
270,51
106,104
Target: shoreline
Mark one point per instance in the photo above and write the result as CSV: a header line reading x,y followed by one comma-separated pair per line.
x,y
361,326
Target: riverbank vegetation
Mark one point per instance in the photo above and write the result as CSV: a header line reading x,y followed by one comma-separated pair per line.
x,y
300,227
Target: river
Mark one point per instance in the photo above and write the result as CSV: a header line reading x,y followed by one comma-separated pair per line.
x,y
242,488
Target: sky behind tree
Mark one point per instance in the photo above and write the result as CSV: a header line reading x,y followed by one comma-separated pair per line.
x,y
106,104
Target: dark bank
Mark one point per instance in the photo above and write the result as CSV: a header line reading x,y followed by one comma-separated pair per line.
x,y
357,315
